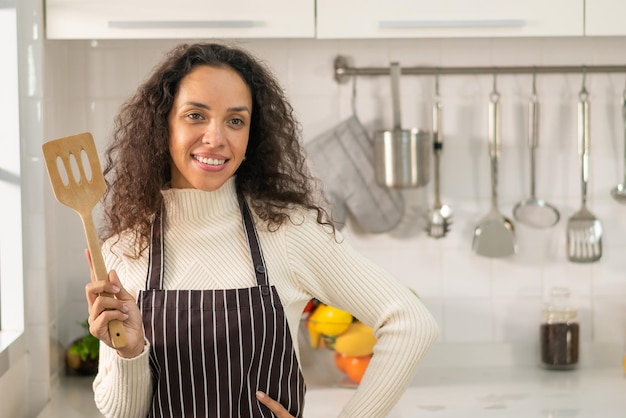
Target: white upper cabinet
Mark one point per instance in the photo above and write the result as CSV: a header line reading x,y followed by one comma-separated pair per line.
x,y
449,18
167,19
605,17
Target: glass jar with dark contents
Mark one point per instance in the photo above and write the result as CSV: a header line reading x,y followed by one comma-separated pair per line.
x,y
560,332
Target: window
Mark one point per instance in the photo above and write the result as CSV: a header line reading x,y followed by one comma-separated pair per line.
x,y
11,265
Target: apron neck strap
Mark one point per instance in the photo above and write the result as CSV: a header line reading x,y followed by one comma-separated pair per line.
x,y
154,279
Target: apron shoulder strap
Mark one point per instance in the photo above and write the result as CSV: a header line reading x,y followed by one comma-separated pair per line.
x,y
154,278
253,241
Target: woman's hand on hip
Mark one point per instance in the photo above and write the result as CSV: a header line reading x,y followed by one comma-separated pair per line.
x,y
273,405
122,306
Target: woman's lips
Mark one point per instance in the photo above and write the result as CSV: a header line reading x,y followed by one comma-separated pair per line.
x,y
210,164
210,161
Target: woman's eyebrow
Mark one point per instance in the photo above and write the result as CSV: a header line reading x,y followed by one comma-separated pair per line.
x,y
230,109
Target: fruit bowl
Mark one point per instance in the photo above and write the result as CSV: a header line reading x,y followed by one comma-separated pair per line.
x,y
335,347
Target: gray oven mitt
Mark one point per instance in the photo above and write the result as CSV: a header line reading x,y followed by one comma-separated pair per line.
x,y
343,159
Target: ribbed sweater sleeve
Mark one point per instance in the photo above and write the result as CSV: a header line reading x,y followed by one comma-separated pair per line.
x,y
339,276
122,387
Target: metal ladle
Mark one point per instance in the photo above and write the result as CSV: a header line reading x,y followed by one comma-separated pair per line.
x,y
532,211
619,192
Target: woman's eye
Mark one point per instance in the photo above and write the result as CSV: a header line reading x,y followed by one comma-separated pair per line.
x,y
194,116
236,122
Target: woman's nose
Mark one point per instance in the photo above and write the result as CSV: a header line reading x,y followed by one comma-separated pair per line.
x,y
213,135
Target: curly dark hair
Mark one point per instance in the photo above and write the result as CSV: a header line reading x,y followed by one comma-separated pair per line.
x,y
273,176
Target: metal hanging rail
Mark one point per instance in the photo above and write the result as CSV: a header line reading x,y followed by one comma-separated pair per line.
x,y
343,70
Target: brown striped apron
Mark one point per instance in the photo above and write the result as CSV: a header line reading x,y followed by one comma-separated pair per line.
x,y
211,350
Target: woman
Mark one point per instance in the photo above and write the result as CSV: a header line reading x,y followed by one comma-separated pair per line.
x,y
215,242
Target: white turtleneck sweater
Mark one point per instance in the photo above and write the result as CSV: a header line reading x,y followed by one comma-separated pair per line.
x,y
205,248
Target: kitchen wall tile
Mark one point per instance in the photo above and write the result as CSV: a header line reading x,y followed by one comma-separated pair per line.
x,y
609,319
466,274
36,307
277,55
114,68
575,276
612,216
516,51
100,119
566,51
415,52
464,169
311,68
517,319
419,268
72,313
608,275
584,304
37,342
466,52
57,352
606,50
468,320
61,122
71,80
436,309
367,53
516,279
316,114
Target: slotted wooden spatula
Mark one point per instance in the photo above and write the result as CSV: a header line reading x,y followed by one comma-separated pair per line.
x,y
77,181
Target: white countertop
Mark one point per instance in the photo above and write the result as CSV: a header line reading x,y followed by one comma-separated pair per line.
x,y
442,393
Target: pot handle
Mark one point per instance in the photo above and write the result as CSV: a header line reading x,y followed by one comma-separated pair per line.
x,y
395,95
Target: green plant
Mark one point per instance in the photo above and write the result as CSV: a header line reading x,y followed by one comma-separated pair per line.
x,y
87,347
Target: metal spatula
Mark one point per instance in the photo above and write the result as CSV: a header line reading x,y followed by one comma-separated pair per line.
x,y
494,236
77,181
584,230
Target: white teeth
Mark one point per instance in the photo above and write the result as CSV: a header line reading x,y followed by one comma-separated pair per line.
x,y
209,161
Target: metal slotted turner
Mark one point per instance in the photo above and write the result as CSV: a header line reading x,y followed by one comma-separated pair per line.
x,y
584,230
77,181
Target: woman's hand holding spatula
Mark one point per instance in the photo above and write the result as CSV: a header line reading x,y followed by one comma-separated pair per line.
x,y
122,307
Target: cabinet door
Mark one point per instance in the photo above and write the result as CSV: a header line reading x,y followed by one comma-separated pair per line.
x,y
154,19
448,18
605,17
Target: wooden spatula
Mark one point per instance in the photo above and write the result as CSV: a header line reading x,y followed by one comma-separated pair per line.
x,y
77,180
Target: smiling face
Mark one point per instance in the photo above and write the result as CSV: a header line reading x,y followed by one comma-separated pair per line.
x,y
209,124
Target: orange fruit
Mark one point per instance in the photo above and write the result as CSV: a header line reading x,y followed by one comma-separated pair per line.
x,y
355,367
340,361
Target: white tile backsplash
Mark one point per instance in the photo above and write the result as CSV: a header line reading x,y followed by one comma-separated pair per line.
x,y
474,299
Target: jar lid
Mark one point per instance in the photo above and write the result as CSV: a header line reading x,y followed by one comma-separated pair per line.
x,y
559,301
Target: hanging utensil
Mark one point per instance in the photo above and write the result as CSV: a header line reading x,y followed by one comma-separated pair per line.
x,y
494,236
440,217
80,186
402,155
532,211
584,230
619,191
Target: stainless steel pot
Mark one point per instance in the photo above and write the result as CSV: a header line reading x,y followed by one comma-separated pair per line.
x,y
402,156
